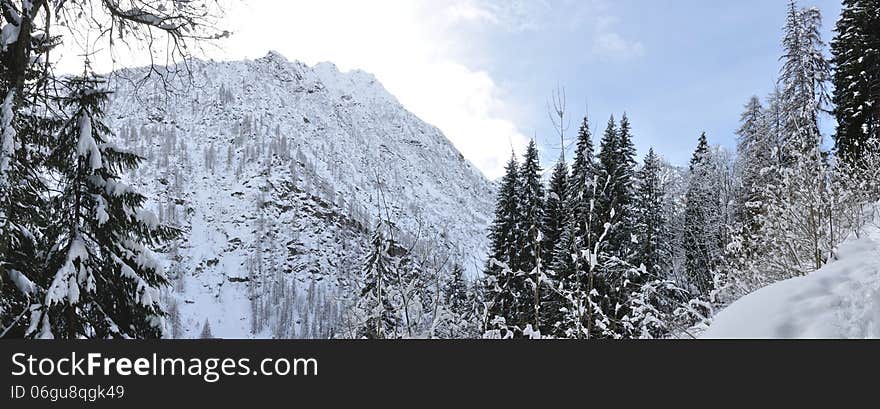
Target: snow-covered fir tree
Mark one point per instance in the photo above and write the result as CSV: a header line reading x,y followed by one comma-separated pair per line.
x,y
615,171
796,229
580,228
702,244
378,319
101,278
616,168
856,79
555,210
24,135
532,244
531,210
566,309
653,239
460,303
504,231
755,145
607,165
503,286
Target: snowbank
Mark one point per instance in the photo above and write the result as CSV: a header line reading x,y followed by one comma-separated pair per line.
x,y
841,300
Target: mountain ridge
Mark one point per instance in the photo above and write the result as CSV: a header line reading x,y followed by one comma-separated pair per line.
x,y
276,172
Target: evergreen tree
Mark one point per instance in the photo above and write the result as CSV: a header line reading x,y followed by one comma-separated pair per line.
x,y
579,230
759,141
616,164
616,168
856,55
531,210
102,280
565,309
651,225
555,224
583,180
502,286
29,122
555,211
24,136
503,233
459,301
701,243
380,318
531,226
754,149
206,331
805,73
797,232
622,237
456,293
627,159
606,170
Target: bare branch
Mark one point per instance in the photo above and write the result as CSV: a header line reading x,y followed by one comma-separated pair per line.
x,y
556,109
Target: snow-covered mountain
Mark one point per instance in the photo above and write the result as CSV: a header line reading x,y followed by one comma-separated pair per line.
x,y
276,172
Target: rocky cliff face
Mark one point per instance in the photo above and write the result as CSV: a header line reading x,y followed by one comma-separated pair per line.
x,y
277,173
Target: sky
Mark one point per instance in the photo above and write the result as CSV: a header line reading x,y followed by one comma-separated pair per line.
x,y
483,70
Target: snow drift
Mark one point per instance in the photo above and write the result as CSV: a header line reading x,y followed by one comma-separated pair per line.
x,y
841,300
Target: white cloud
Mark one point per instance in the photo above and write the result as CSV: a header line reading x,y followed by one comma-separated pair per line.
x,y
537,15
611,46
471,12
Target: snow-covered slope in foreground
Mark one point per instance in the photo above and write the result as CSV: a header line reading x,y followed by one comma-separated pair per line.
x,y
841,300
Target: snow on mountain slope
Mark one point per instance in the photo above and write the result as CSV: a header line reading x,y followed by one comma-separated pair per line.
x,y
276,173
841,300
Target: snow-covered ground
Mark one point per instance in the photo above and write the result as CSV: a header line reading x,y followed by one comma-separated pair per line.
x,y
841,300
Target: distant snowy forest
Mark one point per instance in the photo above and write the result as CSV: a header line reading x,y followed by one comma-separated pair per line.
x,y
276,200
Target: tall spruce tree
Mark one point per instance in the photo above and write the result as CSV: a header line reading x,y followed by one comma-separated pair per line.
x,y
652,232
627,159
28,125
554,224
701,243
755,145
580,200
856,56
503,286
565,310
607,169
607,269
531,209
616,165
796,232
804,77
531,225
503,233
102,280
380,320
24,137
623,186
555,211
616,168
